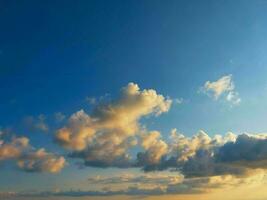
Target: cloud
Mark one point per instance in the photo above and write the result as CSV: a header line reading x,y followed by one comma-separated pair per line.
x,y
97,100
159,179
103,137
59,116
36,123
203,156
155,149
159,183
222,87
27,158
178,100
41,161
248,150
193,156
14,148
179,165
91,100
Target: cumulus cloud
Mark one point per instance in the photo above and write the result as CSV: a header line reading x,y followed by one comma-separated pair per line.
x,y
248,150
183,147
193,156
222,87
103,137
29,159
205,156
14,148
155,149
41,161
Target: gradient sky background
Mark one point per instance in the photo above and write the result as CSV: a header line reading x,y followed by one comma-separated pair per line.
x,y
54,55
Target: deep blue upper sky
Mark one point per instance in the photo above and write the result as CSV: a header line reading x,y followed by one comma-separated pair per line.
x,y
54,54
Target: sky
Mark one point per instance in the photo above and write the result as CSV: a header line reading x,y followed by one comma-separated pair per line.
x,y
133,99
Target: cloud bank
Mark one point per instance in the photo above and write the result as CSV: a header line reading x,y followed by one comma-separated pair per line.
x,y
152,184
105,137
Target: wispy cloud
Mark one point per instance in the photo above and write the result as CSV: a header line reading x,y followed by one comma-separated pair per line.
x,y
151,184
223,87
36,123
59,116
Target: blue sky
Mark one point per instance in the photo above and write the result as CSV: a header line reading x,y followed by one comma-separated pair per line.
x,y
52,61
53,55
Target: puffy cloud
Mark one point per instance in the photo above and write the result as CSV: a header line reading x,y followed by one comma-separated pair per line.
x,y
29,159
103,137
248,151
204,164
183,148
41,161
13,149
193,156
203,156
224,85
155,149
78,132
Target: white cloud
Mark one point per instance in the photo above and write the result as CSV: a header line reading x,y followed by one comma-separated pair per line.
x,y
222,87
233,97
